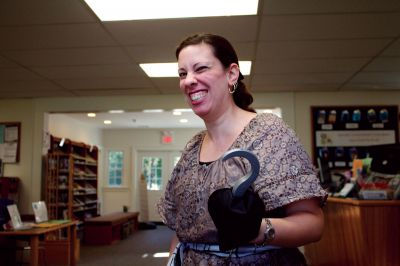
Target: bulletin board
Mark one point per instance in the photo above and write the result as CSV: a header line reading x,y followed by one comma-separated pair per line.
x,y
343,133
10,139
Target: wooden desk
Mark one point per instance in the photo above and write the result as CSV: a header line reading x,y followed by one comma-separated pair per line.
x,y
35,233
107,229
358,233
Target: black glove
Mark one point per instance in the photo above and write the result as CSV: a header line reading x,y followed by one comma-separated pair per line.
x,y
237,219
237,212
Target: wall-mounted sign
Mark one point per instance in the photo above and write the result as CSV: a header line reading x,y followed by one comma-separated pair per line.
x,y
343,133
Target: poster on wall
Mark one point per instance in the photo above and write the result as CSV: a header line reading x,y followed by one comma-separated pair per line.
x,y
343,133
10,133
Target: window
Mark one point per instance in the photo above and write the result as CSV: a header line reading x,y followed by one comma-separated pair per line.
x,y
115,167
152,170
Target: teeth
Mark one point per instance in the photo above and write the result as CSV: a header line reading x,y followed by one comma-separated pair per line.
x,y
198,95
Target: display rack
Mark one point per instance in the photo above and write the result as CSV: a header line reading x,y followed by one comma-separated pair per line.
x,y
71,180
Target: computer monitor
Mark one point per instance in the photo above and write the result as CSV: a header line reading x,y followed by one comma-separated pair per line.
x,y
385,158
324,172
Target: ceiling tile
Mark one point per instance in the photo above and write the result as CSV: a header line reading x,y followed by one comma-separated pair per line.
x,y
54,36
383,63
166,53
326,26
69,57
43,12
4,62
276,66
35,94
338,6
47,45
115,92
393,49
91,71
321,49
167,85
28,85
17,73
105,83
259,88
129,33
391,78
303,78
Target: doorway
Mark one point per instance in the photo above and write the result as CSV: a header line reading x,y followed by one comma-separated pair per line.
x,y
154,170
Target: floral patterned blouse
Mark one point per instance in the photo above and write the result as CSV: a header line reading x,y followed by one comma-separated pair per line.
x,y
286,175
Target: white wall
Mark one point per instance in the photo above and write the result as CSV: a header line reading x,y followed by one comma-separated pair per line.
x,y
63,126
295,108
22,111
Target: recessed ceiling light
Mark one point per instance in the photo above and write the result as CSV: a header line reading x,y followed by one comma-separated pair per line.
x,y
176,112
183,110
107,122
116,111
183,120
153,110
161,255
160,9
167,70
91,114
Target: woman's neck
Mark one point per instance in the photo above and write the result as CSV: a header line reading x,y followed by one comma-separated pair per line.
x,y
222,133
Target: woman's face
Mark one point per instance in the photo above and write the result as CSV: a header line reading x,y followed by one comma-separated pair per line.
x,y
203,80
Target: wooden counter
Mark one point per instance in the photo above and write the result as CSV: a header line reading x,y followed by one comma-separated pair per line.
x,y
358,232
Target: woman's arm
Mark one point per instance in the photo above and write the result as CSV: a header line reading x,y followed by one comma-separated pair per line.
x,y
174,243
303,224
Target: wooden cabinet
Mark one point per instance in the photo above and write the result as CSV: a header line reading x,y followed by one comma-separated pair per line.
x,y
71,180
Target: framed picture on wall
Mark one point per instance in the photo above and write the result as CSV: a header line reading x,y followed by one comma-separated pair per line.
x,y
343,133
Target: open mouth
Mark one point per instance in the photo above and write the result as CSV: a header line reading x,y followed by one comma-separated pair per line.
x,y
198,95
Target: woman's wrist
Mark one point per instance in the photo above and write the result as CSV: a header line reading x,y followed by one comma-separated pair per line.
x,y
259,240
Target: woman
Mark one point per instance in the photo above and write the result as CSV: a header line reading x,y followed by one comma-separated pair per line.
x,y
211,82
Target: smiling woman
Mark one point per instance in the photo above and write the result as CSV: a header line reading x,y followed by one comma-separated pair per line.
x,y
286,190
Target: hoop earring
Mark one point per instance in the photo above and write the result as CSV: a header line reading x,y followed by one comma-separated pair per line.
x,y
233,89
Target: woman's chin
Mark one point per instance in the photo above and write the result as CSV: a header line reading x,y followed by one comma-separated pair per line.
x,y
200,112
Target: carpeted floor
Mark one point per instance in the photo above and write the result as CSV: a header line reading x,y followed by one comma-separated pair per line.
x,y
138,249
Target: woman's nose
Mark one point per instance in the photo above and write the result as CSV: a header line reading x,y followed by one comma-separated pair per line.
x,y
190,79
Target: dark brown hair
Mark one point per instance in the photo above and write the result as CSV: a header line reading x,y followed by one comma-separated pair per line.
x,y
226,54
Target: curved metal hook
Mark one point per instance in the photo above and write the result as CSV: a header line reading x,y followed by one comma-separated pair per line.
x,y
241,185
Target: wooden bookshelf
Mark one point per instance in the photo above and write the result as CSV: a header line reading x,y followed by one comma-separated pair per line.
x,y
71,180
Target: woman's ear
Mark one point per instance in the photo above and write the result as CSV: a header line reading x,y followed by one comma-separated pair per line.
x,y
233,74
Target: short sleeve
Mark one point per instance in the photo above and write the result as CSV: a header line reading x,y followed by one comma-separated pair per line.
x,y
286,173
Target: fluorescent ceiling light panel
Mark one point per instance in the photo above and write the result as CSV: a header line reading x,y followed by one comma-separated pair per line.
x,y
112,10
168,70
245,67
160,70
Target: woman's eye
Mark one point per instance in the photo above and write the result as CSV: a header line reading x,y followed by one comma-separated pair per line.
x,y
182,75
201,68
